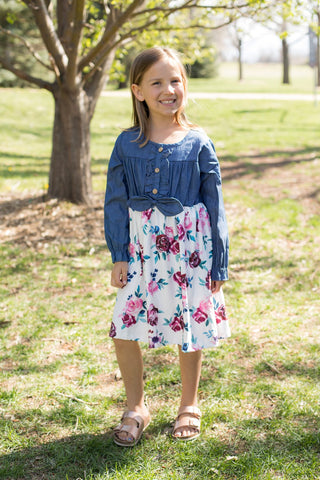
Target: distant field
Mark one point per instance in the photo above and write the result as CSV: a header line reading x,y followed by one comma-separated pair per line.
x,y
259,77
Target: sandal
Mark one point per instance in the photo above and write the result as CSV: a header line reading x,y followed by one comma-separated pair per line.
x,y
134,429
187,417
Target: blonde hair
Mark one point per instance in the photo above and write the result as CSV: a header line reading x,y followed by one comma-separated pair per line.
x,y
140,112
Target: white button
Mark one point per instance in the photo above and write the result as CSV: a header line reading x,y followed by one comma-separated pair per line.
x,y
157,170
154,191
160,149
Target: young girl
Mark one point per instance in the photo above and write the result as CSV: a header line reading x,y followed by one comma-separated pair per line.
x,y
166,229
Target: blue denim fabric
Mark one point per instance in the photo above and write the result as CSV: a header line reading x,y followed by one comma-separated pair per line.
x,y
166,176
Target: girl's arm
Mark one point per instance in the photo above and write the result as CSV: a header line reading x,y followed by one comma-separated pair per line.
x,y
116,216
211,193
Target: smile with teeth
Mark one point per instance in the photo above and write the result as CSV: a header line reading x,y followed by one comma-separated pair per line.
x,y
167,102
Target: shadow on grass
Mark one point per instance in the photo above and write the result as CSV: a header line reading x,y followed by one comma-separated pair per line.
x,y
255,448
245,164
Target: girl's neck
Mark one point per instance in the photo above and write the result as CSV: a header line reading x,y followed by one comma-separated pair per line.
x,y
167,133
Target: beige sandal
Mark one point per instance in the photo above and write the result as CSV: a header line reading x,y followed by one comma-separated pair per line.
x,y
134,429
187,417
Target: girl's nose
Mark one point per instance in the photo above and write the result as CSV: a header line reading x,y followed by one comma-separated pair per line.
x,y
170,88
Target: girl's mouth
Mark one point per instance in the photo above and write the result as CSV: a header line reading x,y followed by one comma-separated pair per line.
x,y
168,102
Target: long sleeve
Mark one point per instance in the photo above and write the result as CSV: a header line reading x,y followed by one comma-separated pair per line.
x,y
116,217
211,193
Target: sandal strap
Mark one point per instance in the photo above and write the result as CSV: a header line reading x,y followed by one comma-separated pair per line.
x,y
188,417
133,429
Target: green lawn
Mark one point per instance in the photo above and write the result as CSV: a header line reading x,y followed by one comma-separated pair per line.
x,y
60,394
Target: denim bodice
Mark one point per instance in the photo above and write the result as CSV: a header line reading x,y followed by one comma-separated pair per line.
x,y
168,177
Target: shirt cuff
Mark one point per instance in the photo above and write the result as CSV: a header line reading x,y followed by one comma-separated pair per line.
x,y
220,274
120,256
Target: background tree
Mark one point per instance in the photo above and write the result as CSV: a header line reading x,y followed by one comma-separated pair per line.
x,y
81,39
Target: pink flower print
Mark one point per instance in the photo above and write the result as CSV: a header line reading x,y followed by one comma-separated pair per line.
x,y
132,249
175,247
203,219
205,305
128,320
134,305
221,314
181,279
162,243
146,214
113,330
152,315
199,316
187,222
194,260
152,286
177,323
181,231
169,232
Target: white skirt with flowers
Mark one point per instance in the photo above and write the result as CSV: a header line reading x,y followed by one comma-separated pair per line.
x,y
167,299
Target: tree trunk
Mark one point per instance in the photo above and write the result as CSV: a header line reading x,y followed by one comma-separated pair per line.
x,y
240,76
285,61
70,173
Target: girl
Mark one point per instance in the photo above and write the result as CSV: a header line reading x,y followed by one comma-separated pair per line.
x,y
166,229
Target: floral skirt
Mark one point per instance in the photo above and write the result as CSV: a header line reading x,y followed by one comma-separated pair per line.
x,y
167,299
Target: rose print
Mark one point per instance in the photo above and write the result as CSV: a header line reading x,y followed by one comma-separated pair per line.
x,y
199,316
113,330
180,278
221,314
187,222
181,231
208,280
177,323
169,232
132,249
162,243
153,286
194,260
147,214
128,320
175,247
134,305
152,315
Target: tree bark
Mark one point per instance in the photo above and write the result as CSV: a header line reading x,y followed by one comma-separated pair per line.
x,y
70,173
285,62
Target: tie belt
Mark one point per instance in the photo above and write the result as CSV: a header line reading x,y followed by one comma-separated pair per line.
x,y
169,206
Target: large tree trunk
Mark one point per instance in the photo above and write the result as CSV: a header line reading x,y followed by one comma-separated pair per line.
x,y
70,174
285,61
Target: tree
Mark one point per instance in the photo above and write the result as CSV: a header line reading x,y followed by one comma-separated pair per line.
x,y
80,39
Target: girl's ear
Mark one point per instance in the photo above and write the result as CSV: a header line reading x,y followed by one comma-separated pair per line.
x,y
137,92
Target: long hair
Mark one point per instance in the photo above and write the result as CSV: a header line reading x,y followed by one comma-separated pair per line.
x,y
140,111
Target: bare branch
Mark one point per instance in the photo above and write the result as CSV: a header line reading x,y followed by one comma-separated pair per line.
x,y
25,76
48,33
27,45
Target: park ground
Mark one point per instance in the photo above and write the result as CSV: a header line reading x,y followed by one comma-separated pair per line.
x,y
60,388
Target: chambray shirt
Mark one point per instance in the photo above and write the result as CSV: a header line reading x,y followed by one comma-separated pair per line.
x,y
168,177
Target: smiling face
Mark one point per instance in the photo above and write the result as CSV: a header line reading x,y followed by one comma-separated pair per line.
x,y
162,88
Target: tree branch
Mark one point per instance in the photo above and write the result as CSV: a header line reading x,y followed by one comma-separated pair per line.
x,y
28,46
77,21
48,33
25,76
110,32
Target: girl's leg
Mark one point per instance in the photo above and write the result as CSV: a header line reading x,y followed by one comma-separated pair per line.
x,y
131,366
190,366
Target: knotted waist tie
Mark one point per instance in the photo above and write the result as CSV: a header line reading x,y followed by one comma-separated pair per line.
x,y
169,206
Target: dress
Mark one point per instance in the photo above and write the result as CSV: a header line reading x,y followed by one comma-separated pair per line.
x,y
167,299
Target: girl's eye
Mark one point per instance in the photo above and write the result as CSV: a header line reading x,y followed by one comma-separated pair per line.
x,y
156,83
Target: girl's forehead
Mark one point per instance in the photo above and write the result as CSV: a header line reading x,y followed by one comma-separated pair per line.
x,y
163,66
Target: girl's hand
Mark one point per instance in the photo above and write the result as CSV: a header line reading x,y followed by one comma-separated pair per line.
x,y
216,285
119,274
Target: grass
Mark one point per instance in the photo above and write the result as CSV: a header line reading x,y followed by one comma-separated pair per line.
x,y
60,393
